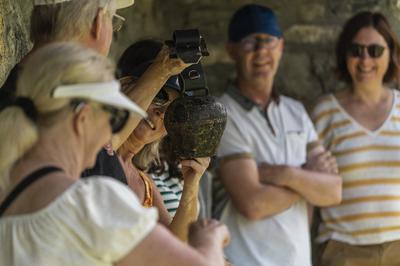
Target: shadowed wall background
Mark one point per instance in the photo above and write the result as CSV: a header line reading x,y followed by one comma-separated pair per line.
x,y
310,28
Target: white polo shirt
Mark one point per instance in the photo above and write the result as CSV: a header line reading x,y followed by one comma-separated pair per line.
x,y
282,240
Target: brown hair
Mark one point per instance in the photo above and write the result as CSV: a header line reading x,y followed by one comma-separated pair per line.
x,y
361,20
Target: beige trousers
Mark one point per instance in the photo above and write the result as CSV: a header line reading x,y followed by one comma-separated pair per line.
x,y
341,254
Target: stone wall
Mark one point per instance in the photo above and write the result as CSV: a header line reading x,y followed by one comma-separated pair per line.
x,y
310,29
14,33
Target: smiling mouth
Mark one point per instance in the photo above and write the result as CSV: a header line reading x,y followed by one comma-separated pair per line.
x,y
365,71
151,125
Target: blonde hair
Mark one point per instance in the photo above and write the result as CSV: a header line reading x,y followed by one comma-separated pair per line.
x,y
147,155
47,68
69,20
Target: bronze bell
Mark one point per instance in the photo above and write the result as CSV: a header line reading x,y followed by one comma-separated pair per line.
x,y
195,122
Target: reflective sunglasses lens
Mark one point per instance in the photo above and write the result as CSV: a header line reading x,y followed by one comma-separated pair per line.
x,y
375,50
119,121
161,98
356,50
118,118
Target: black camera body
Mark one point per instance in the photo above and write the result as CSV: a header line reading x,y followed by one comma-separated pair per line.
x,y
188,45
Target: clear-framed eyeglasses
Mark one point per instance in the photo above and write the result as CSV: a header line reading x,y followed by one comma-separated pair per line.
x,y
117,22
253,43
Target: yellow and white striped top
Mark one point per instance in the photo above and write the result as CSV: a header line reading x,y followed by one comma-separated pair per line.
x,y
369,163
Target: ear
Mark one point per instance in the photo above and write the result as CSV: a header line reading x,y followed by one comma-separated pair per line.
x,y
282,44
79,120
230,48
97,24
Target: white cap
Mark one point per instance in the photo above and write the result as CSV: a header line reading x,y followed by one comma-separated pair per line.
x,y
105,92
119,3
124,3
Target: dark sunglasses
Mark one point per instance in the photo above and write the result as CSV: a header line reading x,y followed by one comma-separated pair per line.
x,y
161,98
373,50
118,117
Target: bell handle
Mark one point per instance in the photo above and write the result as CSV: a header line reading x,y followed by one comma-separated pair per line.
x,y
193,79
196,92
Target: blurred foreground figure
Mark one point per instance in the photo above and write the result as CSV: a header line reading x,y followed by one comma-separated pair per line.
x,y
67,106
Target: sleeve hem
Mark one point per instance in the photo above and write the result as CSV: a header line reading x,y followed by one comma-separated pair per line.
x,y
143,228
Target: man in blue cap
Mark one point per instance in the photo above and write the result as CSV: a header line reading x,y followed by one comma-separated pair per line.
x,y
269,177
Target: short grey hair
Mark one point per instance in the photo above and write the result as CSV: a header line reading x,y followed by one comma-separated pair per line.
x,y
65,21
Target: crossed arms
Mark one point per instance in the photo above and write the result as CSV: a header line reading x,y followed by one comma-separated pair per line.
x,y
260,191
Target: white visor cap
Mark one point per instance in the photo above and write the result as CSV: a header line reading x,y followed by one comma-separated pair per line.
x,y
119,3
105,92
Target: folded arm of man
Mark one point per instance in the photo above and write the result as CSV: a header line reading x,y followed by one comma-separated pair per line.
x,y
253,199
318,181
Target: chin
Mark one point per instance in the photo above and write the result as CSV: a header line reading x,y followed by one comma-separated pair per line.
x,y
89,165
366,79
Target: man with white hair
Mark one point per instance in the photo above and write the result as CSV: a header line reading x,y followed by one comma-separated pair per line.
x,y
91,23
87,22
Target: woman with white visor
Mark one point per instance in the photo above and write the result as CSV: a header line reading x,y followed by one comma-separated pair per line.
x,y
68,105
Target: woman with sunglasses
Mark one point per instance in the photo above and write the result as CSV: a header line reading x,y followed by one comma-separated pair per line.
x,y
141,148
360,125
68,105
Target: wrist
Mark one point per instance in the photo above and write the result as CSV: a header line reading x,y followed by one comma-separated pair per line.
x,y
287,176
159,70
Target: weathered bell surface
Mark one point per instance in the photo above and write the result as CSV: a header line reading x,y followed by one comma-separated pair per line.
x,y
195,125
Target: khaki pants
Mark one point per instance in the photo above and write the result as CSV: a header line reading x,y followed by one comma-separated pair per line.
x,y
342,254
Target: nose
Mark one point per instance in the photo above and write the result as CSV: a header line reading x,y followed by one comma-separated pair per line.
x,y
262,49
157,113
261,46
365,54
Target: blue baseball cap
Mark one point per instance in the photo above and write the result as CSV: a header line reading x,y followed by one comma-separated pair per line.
x,y
251,19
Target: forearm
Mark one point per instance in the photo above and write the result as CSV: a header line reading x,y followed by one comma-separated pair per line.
x,y
268,201
149,85
163,215
212,253
144,91
319,189
187,210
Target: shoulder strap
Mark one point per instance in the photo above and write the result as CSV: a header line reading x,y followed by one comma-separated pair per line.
x,y
24,184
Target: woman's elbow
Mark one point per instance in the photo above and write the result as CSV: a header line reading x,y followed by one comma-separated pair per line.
x,y
334,196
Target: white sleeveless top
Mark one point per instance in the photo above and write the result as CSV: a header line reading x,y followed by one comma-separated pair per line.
x,y
96,221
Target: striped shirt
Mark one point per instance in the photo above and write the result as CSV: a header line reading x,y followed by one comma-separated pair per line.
x,y
369,163
171,191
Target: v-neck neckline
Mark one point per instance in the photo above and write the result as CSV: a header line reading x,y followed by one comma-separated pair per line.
x,y
358,124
